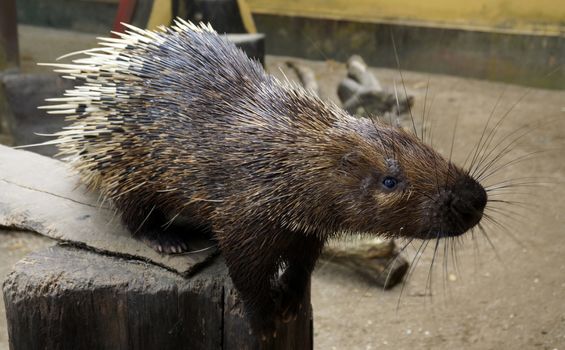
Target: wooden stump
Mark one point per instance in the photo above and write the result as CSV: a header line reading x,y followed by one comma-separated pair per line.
x,y
69,298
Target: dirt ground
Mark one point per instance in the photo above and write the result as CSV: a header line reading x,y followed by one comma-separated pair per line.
x,y
506,294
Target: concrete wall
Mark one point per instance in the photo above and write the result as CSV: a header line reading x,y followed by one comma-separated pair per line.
x,y
545,17
526,59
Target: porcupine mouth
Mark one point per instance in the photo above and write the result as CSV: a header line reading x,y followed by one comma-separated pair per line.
x,y
462,226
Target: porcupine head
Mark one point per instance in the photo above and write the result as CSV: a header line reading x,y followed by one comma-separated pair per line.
x,y
181,121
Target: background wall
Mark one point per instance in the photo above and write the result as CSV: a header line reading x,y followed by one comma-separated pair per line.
x,y
532,16
516,41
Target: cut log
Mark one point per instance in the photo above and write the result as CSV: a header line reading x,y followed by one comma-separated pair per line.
x,y
374,259
69,298
306,76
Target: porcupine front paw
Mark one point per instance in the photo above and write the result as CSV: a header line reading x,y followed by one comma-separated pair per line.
x,y
170,241
264,327
288,302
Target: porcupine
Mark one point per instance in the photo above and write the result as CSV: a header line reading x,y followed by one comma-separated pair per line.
x,y
180,121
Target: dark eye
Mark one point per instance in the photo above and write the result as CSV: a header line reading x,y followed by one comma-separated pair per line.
x,y
390,182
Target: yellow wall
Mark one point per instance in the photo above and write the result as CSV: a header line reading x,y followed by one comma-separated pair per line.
x,y
531,16
161,14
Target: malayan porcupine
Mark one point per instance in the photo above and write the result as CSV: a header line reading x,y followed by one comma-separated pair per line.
x,y
181,122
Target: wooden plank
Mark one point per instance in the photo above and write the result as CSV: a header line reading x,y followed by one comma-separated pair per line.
x,y
43,195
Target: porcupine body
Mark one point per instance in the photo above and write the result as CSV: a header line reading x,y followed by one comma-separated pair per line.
x,y
181,122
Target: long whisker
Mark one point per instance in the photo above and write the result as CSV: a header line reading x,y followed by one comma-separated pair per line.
x,y
512,107
485,175
453,252
445,261
476,253
503,229
494,130
411,269
485,235
424,110
474,151
430,271
431,123
520,204
513,184
507,213
482,167
403,84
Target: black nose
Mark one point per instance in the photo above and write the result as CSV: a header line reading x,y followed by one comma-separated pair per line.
x,y
469,199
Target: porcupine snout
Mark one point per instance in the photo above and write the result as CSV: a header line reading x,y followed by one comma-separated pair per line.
x,y
465,203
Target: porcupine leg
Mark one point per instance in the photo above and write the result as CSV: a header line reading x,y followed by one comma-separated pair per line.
x,y
253,265
150,225
301,257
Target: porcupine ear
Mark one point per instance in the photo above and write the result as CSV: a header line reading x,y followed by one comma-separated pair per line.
x,y
353,160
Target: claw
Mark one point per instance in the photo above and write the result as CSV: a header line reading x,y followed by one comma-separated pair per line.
x,y
288,317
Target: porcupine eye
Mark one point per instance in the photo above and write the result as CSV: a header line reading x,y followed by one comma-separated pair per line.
x,y
390,182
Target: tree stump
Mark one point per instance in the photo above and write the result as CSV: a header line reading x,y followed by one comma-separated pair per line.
x,y
65,297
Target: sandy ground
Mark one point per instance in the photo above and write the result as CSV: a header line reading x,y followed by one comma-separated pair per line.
x,y
507,294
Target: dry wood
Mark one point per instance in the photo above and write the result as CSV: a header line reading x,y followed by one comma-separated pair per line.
x,y
69,298
43,195
306,76
372,258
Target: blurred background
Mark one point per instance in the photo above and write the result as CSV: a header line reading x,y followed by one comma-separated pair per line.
x,y
452,65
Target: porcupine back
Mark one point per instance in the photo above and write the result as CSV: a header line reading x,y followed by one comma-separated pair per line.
x,y
151,103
